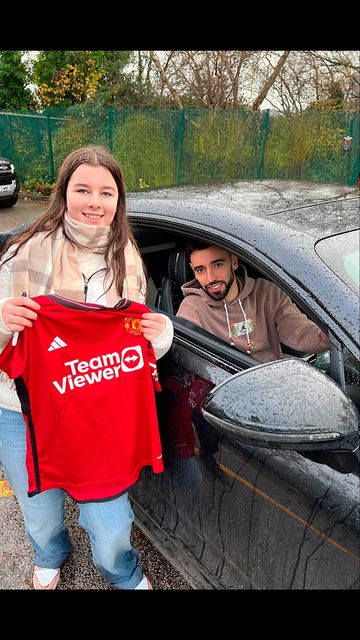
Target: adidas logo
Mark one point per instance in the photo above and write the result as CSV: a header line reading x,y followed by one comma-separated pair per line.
x,y
57,343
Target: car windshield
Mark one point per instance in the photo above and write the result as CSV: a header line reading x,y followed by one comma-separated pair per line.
x,y
341,254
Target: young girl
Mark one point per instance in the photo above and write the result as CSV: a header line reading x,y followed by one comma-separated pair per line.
x,y
80,248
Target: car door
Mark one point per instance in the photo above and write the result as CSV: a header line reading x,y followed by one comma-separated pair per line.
x,y
232,515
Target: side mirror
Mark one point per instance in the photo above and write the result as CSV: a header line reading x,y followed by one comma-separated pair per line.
x,y
286,404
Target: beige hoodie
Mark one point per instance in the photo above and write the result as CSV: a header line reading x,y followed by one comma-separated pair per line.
x,y
257,321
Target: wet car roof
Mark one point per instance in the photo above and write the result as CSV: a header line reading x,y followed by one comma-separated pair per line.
x,y
323,218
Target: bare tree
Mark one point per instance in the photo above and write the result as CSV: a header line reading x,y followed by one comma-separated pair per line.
x,y
165,79
270,81
288,81
311,77
338,69
217,79
210,79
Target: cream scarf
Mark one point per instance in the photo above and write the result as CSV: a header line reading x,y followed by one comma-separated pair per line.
x,y
49,264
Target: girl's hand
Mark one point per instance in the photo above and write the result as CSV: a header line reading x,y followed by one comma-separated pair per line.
x,y
18,313
152,324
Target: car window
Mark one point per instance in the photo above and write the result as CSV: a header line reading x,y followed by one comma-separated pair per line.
x,y
157,257
157,253
341,253
161,266
352,377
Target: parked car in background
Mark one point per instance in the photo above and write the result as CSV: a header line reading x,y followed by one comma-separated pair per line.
x,y
261,481
9,183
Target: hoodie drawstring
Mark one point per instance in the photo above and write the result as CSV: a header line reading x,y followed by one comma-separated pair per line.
x,y
228,324
248,344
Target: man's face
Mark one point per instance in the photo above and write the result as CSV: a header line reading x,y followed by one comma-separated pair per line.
x,y
214,270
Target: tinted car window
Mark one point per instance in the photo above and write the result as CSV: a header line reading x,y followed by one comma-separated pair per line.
x,y
341,254
352,378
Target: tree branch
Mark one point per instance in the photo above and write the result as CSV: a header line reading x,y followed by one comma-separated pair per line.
x,y
165,79
270,81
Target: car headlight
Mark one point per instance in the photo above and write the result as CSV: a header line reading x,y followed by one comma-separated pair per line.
x,y
12,168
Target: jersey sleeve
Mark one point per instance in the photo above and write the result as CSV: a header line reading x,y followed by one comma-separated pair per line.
x,y
153,368
13,358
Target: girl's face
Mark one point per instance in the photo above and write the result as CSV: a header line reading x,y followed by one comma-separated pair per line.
x,y
92,196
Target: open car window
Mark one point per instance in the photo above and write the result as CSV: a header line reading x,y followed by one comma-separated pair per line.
x,y
157,249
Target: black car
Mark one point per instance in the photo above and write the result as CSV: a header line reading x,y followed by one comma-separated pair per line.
x,y
261,481
261,486
9,183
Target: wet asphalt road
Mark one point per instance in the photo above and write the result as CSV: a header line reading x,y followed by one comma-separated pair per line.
x,y
24,209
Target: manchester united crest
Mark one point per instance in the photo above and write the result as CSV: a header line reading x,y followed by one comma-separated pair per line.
x,y
133,326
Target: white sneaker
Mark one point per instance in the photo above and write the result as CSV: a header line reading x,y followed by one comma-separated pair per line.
x,y
44,578
144,584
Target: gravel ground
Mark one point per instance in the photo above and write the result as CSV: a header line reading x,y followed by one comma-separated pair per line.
x,y
16,555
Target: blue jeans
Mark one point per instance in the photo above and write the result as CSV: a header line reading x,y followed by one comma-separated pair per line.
x,y
107,523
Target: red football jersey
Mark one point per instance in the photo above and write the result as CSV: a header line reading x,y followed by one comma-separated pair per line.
x,y
86,376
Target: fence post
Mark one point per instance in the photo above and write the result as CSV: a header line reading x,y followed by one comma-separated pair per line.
x,y
265,131
52,168
11,138
179,164
110,128
356,171
37,137
353,175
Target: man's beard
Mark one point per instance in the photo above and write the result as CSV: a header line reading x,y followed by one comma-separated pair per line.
x,y
222,294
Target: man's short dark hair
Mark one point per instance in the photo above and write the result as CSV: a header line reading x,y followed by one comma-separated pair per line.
x,y
195,245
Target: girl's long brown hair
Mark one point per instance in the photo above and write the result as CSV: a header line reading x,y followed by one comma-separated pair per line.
x,y
53,216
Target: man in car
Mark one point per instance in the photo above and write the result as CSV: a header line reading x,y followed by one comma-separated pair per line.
x,y
253,315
